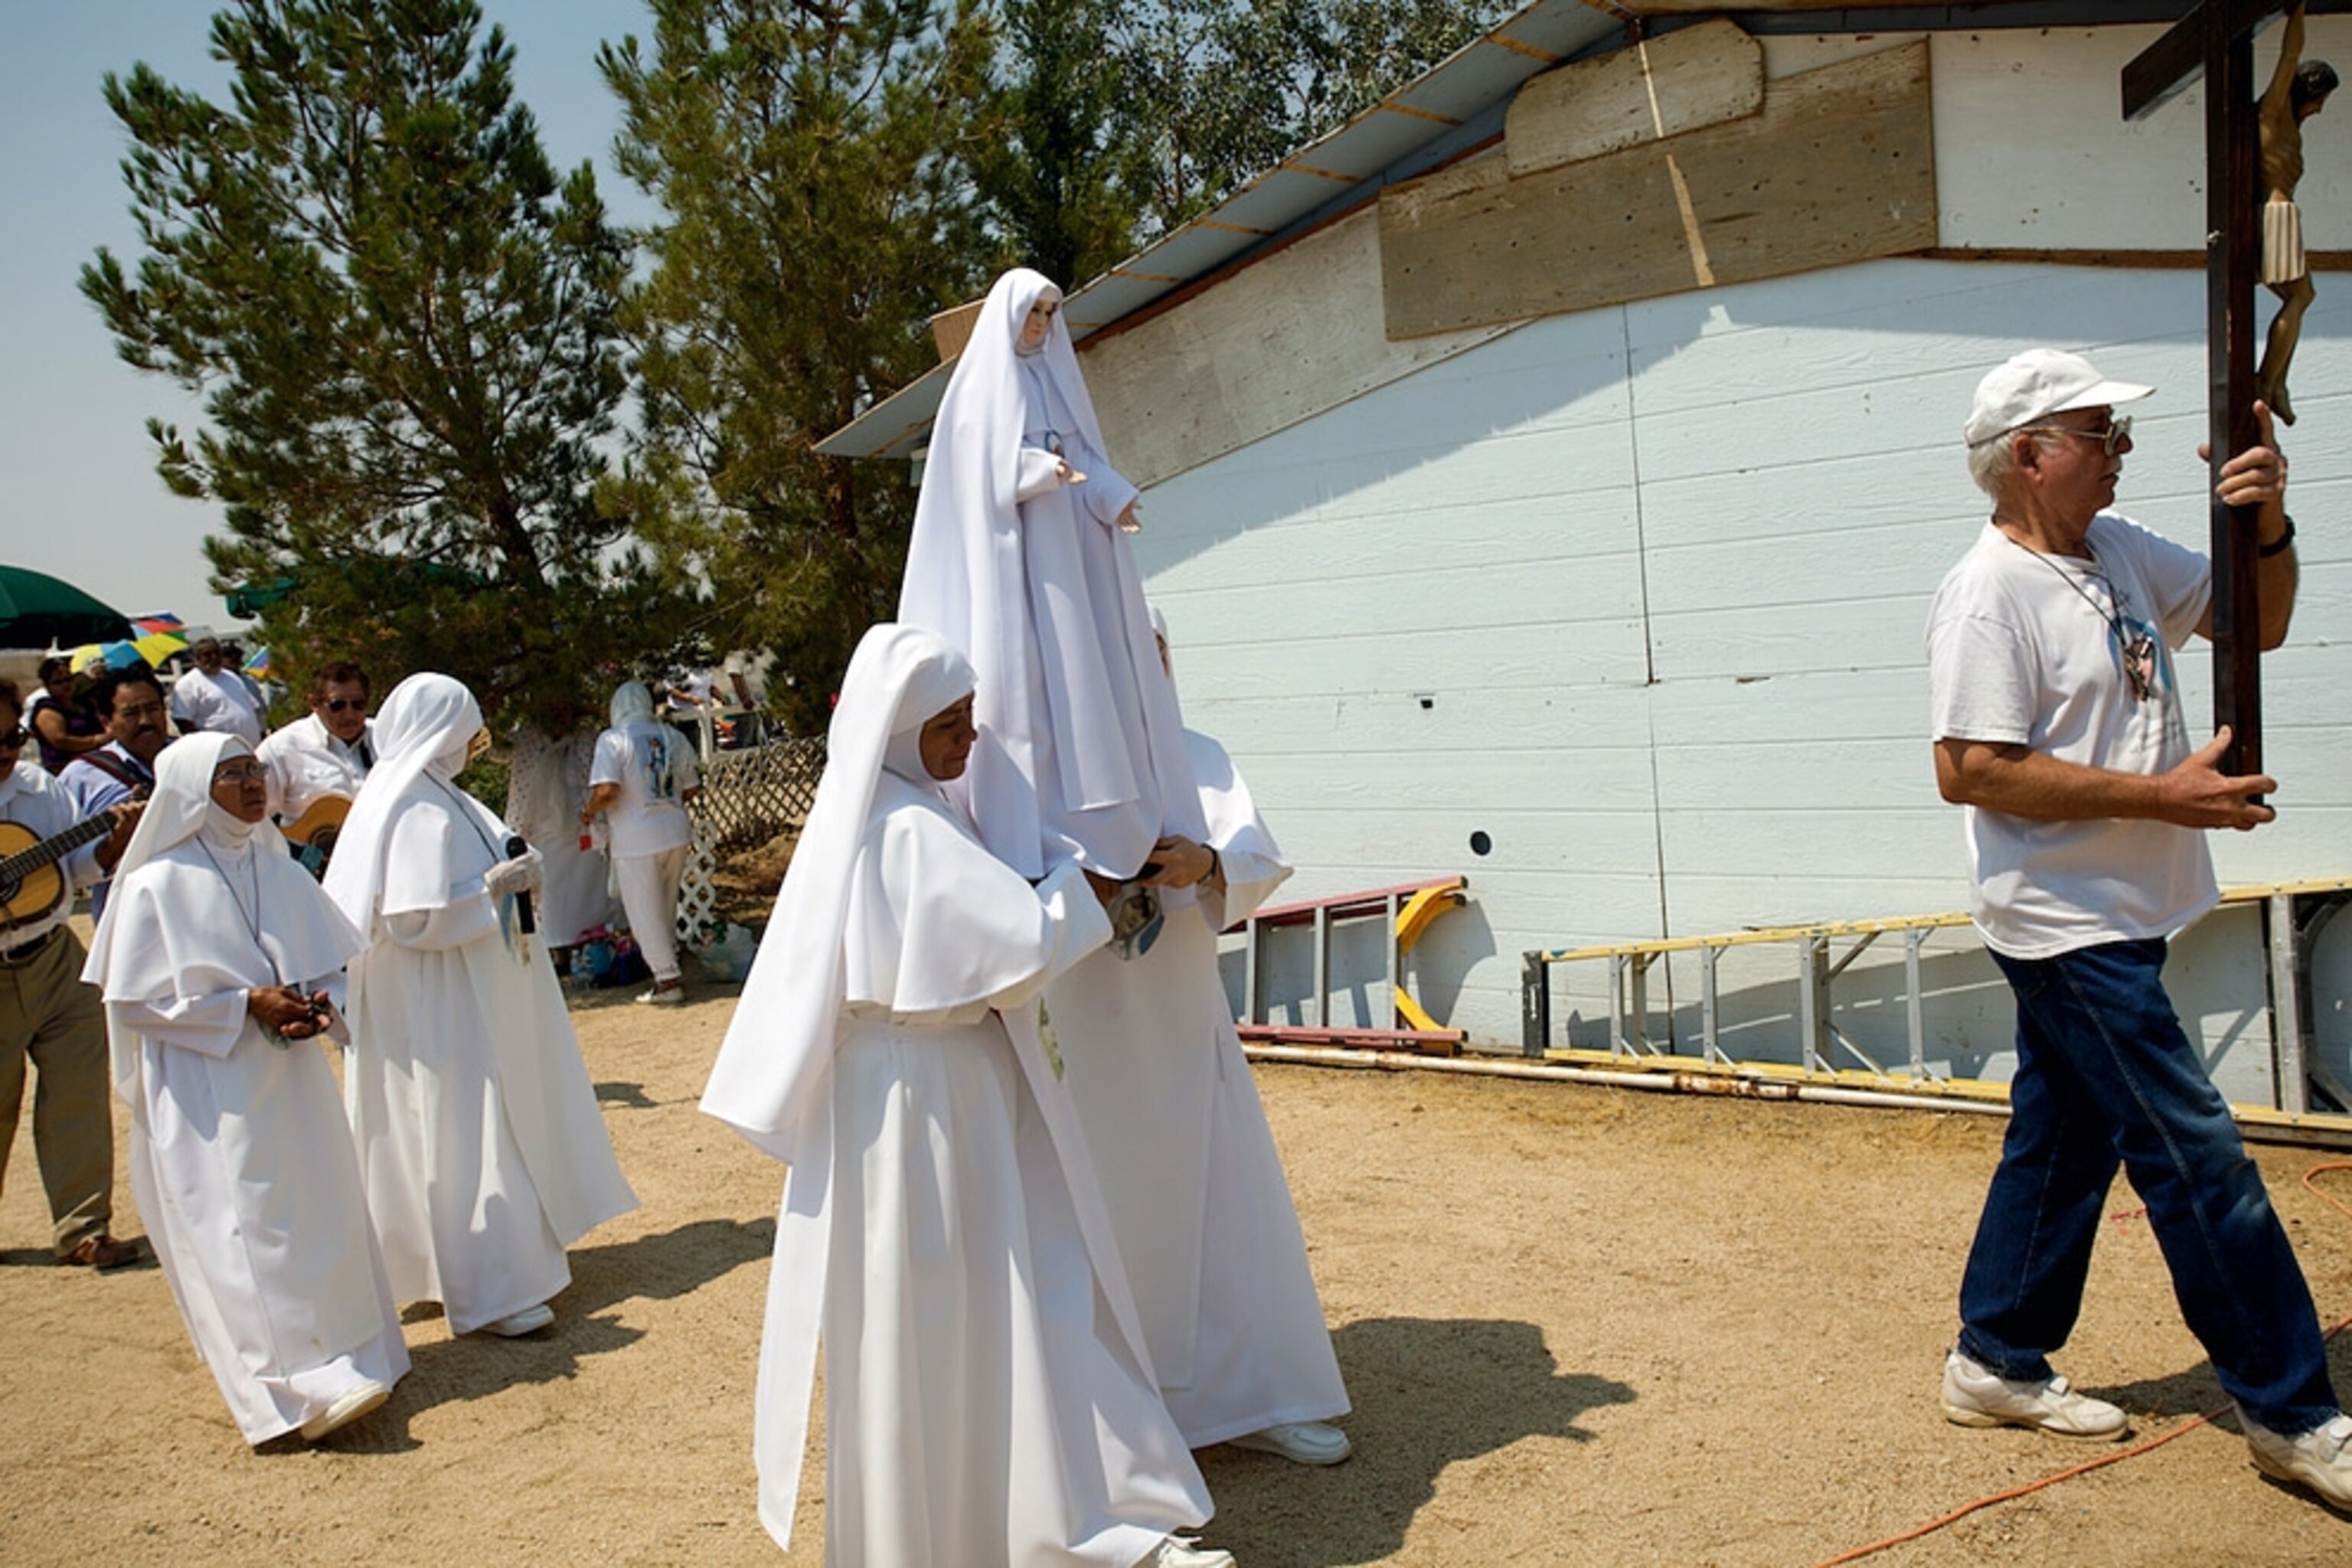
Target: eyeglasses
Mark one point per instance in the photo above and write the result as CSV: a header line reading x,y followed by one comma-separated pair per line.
x,y
14,740
2116,432
346,704
243,773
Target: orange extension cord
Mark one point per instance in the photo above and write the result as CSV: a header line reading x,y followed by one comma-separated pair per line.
x,y
2117,1458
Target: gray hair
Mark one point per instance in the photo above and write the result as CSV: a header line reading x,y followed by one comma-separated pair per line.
x,y
1991,462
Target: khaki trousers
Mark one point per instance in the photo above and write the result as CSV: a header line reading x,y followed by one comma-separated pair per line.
x,y
48,1017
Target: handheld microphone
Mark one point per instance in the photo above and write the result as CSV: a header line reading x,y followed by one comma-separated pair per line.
x,y
517,846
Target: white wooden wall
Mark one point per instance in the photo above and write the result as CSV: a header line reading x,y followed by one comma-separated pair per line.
x,y
1640,593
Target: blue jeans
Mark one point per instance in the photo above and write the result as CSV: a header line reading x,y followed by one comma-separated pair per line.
x,y
2105,1074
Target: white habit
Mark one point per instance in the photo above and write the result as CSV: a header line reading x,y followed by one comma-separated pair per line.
x,y
1195,1188
1081,751
240,1159
480,1141
547,784
988,1400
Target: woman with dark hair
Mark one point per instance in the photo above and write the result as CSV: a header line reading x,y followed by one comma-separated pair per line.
x,y
60,718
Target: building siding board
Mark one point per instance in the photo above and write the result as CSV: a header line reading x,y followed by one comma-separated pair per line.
x,y
1751,746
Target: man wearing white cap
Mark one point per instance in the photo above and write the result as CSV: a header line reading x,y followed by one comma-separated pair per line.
x,y
2058,726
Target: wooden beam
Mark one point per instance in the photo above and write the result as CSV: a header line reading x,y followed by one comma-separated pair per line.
x,y
1686,80
1839,167
2162,71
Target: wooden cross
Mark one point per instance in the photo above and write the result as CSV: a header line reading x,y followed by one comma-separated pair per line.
x,y
2215,40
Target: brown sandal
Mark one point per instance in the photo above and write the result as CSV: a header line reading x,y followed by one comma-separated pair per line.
x,y
103,1253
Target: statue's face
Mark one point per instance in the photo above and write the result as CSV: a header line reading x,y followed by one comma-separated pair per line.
x,y
1040,321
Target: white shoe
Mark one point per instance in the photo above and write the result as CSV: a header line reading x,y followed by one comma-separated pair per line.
x,y
2319,1460
529,1321
368,1395
1976,1396
1177,1553
673,997
1300,1442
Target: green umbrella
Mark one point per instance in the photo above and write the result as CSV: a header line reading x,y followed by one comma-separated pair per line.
x,y
36,610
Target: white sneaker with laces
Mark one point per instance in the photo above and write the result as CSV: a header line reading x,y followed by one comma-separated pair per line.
x,y
1177,1553
1300,1442
2319,1460
1974,1395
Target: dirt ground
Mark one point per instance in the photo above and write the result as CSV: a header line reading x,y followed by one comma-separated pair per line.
x,y
1579,1326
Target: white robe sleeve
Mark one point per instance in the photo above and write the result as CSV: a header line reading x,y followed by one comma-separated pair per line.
x,y
1106,492
209,1025
466,917
1040,471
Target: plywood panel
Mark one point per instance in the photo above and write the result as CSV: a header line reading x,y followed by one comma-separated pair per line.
x,y
1688,80
1279,342
1840,167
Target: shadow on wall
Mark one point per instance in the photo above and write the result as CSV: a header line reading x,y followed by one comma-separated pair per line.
x,y
1427,1393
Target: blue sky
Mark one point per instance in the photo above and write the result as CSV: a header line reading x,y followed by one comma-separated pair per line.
x,y
78,485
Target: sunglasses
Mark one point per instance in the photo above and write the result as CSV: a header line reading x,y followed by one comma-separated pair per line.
x,y
14,740
2109,439
346,704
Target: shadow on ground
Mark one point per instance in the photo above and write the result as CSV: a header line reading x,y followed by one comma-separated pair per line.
x,y
1428,1393
659,1268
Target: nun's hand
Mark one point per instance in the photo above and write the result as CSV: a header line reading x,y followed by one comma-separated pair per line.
x,y
1180,863
1069,474
519,875
1106,888
282,1010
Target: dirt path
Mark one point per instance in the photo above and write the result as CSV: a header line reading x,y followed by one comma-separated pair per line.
x,y
1579,1326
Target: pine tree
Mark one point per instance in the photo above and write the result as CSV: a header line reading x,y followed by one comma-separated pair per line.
x,y
400,321
814,162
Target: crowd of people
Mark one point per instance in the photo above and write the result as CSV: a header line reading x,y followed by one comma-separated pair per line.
x,y
1033,1214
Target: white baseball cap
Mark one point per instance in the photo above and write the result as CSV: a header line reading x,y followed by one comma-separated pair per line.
x,y
2037,384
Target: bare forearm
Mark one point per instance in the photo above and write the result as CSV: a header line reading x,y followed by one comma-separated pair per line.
x,y
2021,782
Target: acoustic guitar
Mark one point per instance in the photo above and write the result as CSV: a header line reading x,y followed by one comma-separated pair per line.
x,y
320,822
313,835
31,884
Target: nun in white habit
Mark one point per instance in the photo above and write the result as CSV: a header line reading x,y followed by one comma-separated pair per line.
x,y
480,1143
987,1399
220,963
1019,557
1190,1173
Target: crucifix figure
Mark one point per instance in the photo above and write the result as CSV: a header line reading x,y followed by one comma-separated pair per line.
x,y
2299,90
2216,41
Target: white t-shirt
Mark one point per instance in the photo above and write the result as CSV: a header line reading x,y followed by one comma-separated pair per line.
x,y
306,763
2021,651
647,819
228,702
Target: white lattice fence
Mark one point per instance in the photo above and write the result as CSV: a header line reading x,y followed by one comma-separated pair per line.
x,y
748,798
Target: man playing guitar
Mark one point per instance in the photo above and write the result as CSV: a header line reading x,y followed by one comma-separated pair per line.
x,y
317,763
47,1017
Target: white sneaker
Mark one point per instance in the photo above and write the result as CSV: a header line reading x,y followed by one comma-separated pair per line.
x,y
529,1321
1976,1396
1301,1442
673,997
368,1395
1176,1553
2319,1460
